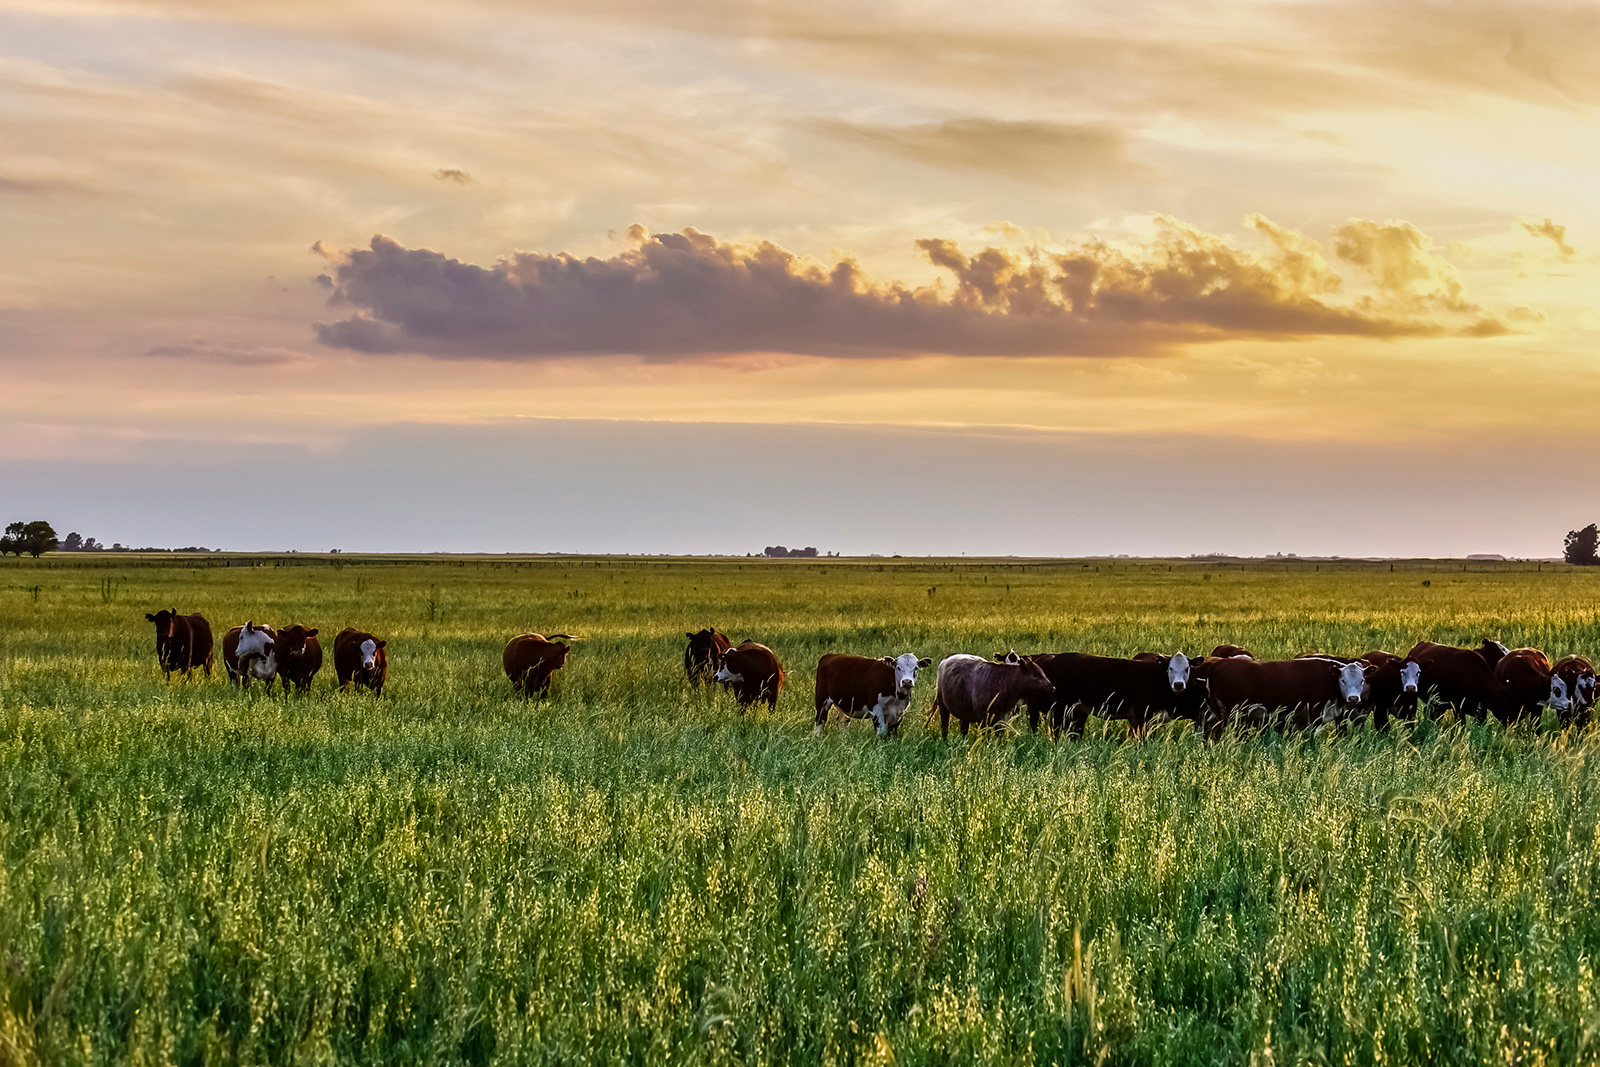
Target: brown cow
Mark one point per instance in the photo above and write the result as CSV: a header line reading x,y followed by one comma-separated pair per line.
x,y
973,690
1577,675
753,673
359,660
704,654
532,660
1140,689
1523,686
1394,684
1296,692
1231,652
1460,677
299,657
250,651
183,642
879,689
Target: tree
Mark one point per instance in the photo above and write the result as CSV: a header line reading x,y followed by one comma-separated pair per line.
x,y
73,543
12,541
1581,545
39,537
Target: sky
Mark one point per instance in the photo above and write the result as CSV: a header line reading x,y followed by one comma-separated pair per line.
x,y
710,275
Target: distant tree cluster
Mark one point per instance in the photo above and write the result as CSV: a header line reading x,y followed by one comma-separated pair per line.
x,y
35,538
1582,545
75,542
779,552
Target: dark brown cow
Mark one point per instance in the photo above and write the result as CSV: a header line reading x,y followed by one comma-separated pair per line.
x,y
879,689
532,660
704,655
1145,688
1231,652
974,690
1394,684
1522,686
1577,675
1296,692
359,660
753,673
250,651
183,642
299,657
1460,677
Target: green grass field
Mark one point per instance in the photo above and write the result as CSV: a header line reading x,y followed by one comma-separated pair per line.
x,y
631,872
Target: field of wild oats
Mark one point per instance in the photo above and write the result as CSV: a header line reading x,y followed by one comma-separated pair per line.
x,y
631,872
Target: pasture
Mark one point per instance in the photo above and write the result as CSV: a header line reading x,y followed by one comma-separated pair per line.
x,y
630,872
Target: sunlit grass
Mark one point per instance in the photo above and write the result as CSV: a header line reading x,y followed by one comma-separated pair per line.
x,y
632,872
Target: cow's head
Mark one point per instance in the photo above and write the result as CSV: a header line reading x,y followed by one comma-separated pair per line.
x,y
1033,683
1410,677
727,672
163,620
1583,692
257,651
1012,657
1560,698
1493,651
905,667
1353,683
1178,672
293,641
369,652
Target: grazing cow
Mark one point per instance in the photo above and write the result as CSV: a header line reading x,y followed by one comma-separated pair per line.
x,y
973,690
532,660
753,673
1231,652
879,689
183,642
359,660
1578,676
704,655
1524,683
1144,688
299,657
1460,677
1298,692
1394,684
250,651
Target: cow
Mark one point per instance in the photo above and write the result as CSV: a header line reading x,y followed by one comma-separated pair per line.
x,y
860,687
1139,690
531,660
183,642
704,655
1394,684
1460,677
1578,676
359,660
250,651
1231,652
299,657
1296,692
752,672
971,689
1525,683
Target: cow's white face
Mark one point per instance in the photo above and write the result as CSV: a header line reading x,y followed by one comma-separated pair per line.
x,y
1503,650
1585,691
1012,658
725,675
905,673
253,641
1352,683
1178,672
1410,678
369,654
1559,699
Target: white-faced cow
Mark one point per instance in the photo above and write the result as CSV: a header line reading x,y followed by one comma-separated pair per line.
x,y
1578,676
861,688
250,651
972,689
1140,690
1298,692
1394,685
752,672
360,660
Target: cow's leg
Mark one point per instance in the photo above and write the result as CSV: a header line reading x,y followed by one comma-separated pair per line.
x,y
822,717
965,725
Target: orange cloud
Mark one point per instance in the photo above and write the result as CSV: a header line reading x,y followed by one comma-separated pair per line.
x,y
686,294
1556,233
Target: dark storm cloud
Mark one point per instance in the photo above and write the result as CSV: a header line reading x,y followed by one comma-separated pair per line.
x,y
675,295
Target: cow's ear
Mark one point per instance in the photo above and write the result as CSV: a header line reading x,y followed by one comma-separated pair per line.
x,y
311,633
149,617
689,635
924,662
382,643
887,659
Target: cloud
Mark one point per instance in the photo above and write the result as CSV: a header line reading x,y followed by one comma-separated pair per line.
x,y
453,174
10,185
1037,150
1557,234
675,295
230,355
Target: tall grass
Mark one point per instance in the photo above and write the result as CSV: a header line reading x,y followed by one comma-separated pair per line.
x,y
632,872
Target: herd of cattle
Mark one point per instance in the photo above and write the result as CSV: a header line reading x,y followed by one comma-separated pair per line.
x,y
1230,685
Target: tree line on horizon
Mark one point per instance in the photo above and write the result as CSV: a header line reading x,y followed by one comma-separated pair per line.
x,y
38,537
